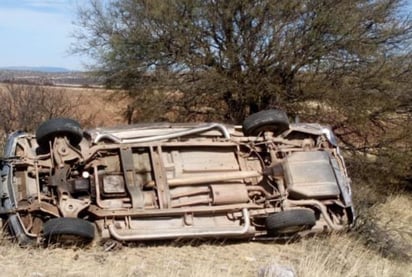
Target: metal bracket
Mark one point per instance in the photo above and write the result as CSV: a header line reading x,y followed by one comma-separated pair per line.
x,y
70,207
162,186
63,151
134,189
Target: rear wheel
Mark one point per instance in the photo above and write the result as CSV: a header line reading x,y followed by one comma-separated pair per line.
x,y
290,222
59,127
66,230
275,121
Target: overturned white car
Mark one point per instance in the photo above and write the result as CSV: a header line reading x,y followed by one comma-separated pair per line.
x,y
267,178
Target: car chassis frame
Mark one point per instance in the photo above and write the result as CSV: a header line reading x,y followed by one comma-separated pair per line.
x,y
174,181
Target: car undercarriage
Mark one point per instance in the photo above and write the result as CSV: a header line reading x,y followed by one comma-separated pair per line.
x,y
265,179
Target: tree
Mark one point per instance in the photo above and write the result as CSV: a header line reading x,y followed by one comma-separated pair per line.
x,y
247,54
344,63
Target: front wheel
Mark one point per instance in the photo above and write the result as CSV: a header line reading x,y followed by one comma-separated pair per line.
x,y
68,231
63,127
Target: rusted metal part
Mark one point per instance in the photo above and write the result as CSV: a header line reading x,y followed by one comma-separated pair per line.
x,y
104,204
188,191
309,174
242,230
43,206
33,224
260,189
177,134
36,172
90,152
200,179
70,207
134,189
102,213
195,200
229,194
162,188
24,229
64,152
31,162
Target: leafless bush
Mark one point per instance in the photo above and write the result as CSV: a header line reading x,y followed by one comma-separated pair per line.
x,y
24,107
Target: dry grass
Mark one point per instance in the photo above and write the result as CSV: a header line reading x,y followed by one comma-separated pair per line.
x,y
337,255
98,106
395,217
94,107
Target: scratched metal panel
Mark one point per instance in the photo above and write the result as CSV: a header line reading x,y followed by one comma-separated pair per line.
x,y
310,175
204,160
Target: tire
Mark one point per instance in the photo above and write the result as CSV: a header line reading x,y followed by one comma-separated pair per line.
x,y
53,128
68,230
291,221
275,121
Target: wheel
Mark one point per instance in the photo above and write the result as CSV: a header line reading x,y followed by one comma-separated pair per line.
x,y
52,128
292,221
268,120
68,230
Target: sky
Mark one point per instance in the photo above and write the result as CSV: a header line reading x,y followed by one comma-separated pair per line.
x,y
38,33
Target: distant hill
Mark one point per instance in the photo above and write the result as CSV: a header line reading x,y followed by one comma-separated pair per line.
x,y
46,69
47,76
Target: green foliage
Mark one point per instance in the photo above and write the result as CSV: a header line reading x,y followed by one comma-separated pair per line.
x,y
344,63
249,54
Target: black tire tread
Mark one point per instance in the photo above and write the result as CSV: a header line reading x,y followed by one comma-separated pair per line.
x,y
68,226
267,120
285,219
49,129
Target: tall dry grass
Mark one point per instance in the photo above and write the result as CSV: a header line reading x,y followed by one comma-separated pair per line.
x,y
335,255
